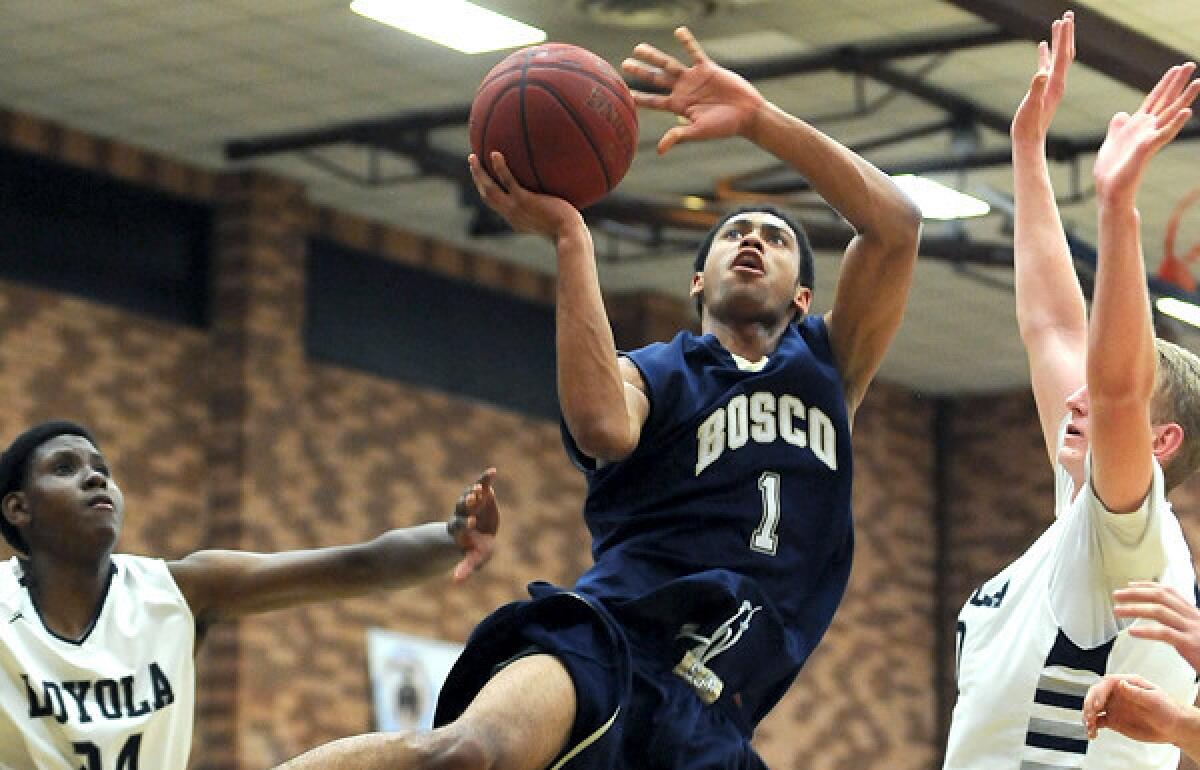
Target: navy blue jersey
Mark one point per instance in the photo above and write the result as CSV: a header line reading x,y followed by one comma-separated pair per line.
x,y
738,491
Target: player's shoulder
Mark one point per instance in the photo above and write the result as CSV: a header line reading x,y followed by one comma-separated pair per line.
x,y
10,584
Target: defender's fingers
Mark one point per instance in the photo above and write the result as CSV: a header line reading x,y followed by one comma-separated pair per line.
x,y
651,55
1164,82
1172,129
1176,88
1062,49
643,71
651,101
1155,611
1148,592
1069,34
685,36
1043,57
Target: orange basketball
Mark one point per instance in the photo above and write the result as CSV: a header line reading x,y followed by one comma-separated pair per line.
x,y
563,119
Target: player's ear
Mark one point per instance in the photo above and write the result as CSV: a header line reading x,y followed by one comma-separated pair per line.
x,y
15,509
802,299
1168,438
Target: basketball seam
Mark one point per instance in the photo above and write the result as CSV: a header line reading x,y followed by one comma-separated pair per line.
x,y
563,67
598,81
582,130
487,122
525,129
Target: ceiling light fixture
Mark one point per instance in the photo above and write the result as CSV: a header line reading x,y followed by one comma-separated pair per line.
x,y
1176,308
937,201
456,24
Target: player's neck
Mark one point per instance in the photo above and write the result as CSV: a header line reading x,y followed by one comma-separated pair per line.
x,y
751,340
67,595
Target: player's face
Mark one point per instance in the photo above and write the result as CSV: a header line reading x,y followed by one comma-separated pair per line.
x,y
1075,444
752,268
73,504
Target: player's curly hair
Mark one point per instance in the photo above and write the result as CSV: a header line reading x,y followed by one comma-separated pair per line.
x,y
14,465
805,274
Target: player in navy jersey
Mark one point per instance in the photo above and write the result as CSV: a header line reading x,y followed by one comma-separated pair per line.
x,y
1120,415
719,475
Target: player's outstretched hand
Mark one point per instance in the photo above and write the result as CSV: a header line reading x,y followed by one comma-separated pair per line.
x,y
1176,621
714,101
1132,140
474,523
1133,707
1032,120
525,210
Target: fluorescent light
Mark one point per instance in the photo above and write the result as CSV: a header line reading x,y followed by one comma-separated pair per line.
x,y
455,24
1184,311
937,201
693,202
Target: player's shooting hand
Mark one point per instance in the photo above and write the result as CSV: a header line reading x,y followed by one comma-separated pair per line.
x,y
474,523
714,101
525,210
1176,621
1132,140
1032,120
1133,707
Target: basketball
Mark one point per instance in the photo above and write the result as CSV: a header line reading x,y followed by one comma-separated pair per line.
x,y
563,119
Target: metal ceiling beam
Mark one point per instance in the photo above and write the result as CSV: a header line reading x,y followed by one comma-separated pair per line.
x,y
378,131
381,130
1101,43
1062,150
837,56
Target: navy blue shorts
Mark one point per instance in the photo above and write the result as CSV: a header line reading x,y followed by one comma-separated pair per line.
x,y
632,712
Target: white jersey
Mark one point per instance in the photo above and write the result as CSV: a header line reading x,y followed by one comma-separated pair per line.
x,y
1033,639
121,698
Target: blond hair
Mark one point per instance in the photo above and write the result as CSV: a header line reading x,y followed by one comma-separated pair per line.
x,y
1177,400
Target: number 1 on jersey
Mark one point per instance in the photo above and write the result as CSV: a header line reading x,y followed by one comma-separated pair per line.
x,y
765,540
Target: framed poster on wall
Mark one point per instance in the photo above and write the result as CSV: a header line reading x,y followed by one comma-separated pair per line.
x,y
406,675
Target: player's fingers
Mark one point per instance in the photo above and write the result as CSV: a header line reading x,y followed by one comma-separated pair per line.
x,y
1160,613
1037,87
674,136
1069,35
1158,633
1172,129
1043,57
1146,591
505,176
643,71
650,55
1174,89
651,101
487,478
1062,45
483,181
1135,681
685,36
1183,101
1163,83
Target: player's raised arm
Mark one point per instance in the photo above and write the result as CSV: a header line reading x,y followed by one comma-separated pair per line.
x,y
873,286
221,585
1051,314
601,403
1121,357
